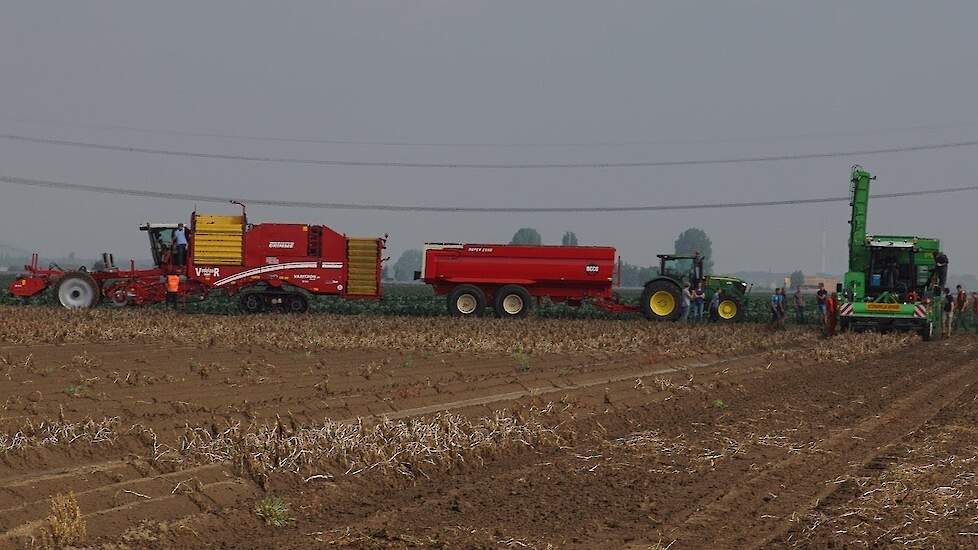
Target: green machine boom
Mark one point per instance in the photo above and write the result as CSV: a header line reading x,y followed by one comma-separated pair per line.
x,y
888,284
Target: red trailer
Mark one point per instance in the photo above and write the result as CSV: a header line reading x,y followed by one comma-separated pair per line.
x,y
269,266
510,277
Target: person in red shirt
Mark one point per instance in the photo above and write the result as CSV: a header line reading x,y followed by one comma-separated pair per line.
x,y
831,302
974,310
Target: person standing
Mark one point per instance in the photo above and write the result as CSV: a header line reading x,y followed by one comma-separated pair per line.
x,y
715,305
974,309
799,302
179,245
775,310
820,297
684,301
960,307
947,312
940,268
172,288
829,318
699,299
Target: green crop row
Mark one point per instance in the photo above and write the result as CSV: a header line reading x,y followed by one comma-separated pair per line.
x,y
420,300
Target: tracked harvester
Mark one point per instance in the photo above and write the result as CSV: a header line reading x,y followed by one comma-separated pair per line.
x,y
268,266
889,285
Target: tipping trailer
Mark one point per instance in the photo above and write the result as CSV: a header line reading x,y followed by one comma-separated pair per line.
x,y
267,265
889,282
509,278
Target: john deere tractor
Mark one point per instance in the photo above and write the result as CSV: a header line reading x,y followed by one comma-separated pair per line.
x,y
662,296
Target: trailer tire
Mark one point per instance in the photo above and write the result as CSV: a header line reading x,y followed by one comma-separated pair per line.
x,y
661,301
512,302
252,302
466,301
730,310
78,290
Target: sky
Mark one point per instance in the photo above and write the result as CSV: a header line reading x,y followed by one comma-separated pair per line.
x,y
502,82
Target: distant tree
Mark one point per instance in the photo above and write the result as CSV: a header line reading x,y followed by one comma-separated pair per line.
x,y
570,239
797,279
526,235
407,264
694,239
385,273
636,276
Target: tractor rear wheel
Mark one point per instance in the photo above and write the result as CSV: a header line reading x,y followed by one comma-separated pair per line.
x,y
78,290
730,310
512,301
661,301
927,331
466,301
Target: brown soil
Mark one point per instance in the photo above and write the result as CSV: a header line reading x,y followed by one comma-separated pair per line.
x,y
767,448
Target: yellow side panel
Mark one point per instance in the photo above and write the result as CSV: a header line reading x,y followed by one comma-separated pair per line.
x,y
362,255
218,239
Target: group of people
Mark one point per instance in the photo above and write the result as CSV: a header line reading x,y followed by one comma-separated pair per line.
x,y
693,304
956,308
825,303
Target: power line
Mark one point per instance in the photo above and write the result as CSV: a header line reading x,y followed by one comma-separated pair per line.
x,y
454,209
463,165
494,145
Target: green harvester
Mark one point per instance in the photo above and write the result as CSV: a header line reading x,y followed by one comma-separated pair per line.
x,y
890,284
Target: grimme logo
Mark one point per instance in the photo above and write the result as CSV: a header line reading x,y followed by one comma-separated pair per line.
x,y
281,244
208,271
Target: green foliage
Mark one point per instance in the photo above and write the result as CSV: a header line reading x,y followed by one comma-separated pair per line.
x,y
636,276
526,235
694,239
275,511
407,264
569,239
719,404
522,360
797,279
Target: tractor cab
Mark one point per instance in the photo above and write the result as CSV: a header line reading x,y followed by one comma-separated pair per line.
x,y
160,241
682,268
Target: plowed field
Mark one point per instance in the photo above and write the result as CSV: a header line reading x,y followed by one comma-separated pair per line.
x,y
384,432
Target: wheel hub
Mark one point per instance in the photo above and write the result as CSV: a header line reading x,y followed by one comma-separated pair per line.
x,y
662,303
466,304
512,304
727,309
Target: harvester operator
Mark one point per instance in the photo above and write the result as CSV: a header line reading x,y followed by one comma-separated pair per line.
x,y
179,245
940,268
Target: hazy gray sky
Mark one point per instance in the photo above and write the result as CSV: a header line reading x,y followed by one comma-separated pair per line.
x,y
496,72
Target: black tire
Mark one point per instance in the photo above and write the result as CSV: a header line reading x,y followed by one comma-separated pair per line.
x,y
252,302
512,302
466,301
661,301
78,290
296,303
927,331
119,296
723,313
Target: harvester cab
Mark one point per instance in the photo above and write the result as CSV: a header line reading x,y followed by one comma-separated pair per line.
x,y
888,283
160,242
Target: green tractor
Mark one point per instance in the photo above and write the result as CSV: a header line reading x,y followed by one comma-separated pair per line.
x,y
662,296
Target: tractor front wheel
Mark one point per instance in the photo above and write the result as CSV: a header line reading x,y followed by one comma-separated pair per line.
x,y
730,310
661,301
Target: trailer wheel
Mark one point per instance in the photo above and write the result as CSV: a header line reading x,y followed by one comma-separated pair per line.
x,y
466,301
252,302
730,310
660,301
118,295
512,301
78,291
296,303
